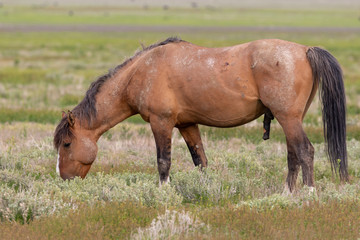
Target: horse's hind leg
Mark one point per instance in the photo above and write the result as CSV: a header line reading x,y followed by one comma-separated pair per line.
x,y
293,167
162,130
300,153
191,135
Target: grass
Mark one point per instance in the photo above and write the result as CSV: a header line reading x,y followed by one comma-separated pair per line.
x,y
179,16
103,221
313,221
120,221
240,193
29,115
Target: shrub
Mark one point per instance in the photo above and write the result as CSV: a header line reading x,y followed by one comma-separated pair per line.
x,y
171,225
49,196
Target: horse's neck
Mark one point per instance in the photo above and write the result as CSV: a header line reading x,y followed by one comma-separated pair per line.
x,y
111,104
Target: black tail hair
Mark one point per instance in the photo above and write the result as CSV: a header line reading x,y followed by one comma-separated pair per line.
x,y
327,71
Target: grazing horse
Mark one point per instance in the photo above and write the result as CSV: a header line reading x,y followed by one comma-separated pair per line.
x,y
177,84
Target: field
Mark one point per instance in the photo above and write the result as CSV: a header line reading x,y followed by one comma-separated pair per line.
x,y
239,196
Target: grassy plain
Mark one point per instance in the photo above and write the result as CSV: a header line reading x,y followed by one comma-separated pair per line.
x,y
180,16
238,196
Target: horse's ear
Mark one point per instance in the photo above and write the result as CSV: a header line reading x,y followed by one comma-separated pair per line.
x,y
71,118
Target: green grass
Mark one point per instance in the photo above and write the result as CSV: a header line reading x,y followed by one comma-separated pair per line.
x,y
119,221
23,76
29,115
180,17
102,221
333,220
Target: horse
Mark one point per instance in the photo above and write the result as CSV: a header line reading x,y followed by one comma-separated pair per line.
x,y
176,84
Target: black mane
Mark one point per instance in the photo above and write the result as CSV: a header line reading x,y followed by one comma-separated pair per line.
x,y
86,110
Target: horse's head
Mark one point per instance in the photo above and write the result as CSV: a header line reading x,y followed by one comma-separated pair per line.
x,y
76,148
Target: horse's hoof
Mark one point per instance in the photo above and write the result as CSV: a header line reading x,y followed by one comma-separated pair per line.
x,y
266,136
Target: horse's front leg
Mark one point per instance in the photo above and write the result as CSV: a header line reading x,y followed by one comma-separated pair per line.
x,y
191,135
162,130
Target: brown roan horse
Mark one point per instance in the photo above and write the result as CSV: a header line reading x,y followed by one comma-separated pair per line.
x,y
177,84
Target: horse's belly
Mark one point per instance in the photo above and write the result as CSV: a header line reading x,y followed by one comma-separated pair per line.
x,y
222,114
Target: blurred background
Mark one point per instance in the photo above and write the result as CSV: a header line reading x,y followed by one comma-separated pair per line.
x,y
194,3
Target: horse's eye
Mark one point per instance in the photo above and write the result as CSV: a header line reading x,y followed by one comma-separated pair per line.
x,y
67,145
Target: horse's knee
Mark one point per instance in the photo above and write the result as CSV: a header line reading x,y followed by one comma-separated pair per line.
x,y
307,165
191,135
194,154
307,154
311,151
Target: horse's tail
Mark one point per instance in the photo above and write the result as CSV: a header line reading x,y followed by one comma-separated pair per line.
x,y
327,71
